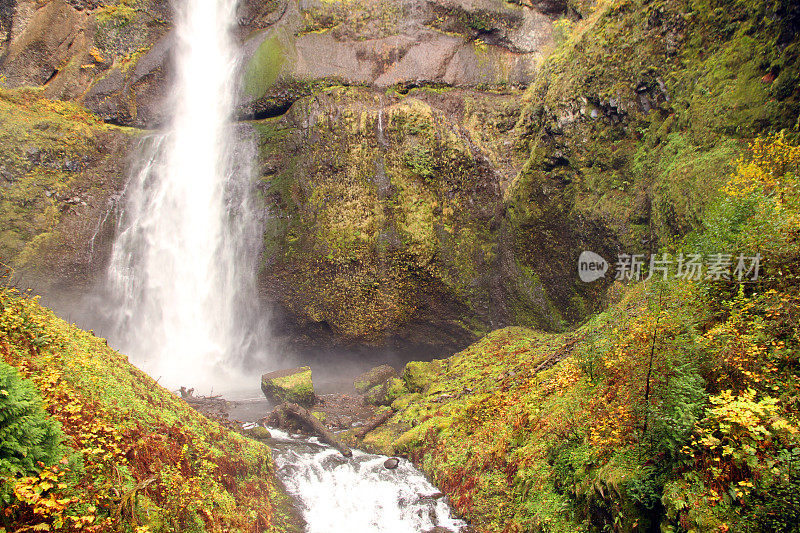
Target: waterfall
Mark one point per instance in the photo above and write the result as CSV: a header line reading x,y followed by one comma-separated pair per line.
x,y
181,276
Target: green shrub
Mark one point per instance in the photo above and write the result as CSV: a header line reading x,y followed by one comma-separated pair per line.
x,y
28,436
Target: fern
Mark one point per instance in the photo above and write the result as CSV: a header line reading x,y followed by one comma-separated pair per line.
x,y
29,438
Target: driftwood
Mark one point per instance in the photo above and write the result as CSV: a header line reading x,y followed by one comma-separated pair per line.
x,y
374,422
188,395
292,410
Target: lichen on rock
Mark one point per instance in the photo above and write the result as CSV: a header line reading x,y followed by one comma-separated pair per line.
x,y
292,385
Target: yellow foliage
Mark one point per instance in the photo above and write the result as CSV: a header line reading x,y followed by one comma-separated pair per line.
x,y
770,167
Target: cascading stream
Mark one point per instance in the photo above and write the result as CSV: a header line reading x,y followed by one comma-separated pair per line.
x,y
181,272
358,494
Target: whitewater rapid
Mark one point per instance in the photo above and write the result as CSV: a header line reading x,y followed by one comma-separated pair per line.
x,y
357,494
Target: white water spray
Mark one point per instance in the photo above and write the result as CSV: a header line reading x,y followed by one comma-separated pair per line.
x,y
358,494
182,267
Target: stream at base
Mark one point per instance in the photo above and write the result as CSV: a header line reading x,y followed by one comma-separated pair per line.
x,y
358,494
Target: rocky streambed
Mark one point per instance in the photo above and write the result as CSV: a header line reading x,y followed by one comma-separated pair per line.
x,y
334,486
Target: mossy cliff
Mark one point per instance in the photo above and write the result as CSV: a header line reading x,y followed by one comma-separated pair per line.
x,y
632,122
624,134
60,171
385,172
131,456
387,222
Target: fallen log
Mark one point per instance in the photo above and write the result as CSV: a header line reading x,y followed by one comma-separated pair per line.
x,y
374,422
188,396
287,409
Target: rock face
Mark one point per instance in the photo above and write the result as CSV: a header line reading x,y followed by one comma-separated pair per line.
x,y
110,57
388,222
381,43
60,172
373,377
292,385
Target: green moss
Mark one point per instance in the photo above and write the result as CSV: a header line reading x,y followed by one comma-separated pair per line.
x,y
395,388
296,387
404,400
420,160
264,67
418,375
120,14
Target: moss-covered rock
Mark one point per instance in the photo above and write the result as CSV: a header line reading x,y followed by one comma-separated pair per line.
x,y
386,393
258,433
373,377
393,233
61,170
293,385
636,116
418,375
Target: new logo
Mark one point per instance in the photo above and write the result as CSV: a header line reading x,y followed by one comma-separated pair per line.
x,y
591,266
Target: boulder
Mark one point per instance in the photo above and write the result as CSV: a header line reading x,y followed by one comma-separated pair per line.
x,y
418,375
373,377
386,392
391,463
290,385
258,433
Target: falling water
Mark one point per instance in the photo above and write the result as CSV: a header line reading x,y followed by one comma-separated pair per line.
x,y
181,272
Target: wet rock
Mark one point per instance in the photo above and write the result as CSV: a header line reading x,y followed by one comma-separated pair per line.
x,y
386,392
373,377
146,84
258,433
289,385
391,463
